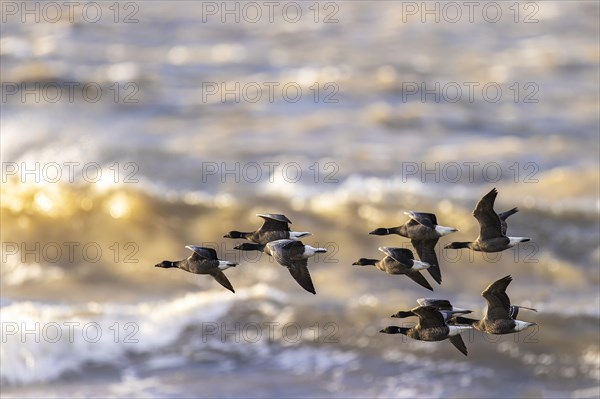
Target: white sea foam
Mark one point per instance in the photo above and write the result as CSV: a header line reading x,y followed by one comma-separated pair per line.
x,y
41,341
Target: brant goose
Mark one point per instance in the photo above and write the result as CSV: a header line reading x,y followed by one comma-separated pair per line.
x,y
398,261
275,227
442,305
491,236
203,261
500,317
424,233
291,254
431,327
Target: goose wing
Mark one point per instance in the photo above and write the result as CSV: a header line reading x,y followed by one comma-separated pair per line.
x,y
489,221
274,222
429,317
498,301
401,255
419,279
458,343
222,279
503,216
440,304
426,219
299,272
426,251
203,252
444,306
514,310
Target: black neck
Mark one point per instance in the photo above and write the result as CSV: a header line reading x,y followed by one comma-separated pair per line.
x,y
396,230
250,246
403,330
459,245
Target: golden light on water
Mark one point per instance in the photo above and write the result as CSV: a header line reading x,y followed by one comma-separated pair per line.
x,y
43,202
86,204
119,206
61,201
34,198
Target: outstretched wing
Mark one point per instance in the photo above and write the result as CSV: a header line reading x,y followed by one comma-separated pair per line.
x,y
398,254
203,252
503,216
458,343
514,310
440,304
426,251
419,279
299,272
274,222
429,317
498,301
489,221
222,279
426,219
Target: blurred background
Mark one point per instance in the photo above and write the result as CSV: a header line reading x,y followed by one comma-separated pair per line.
x,y
131,129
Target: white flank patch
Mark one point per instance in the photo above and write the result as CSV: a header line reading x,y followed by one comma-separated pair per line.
x,y
455,330
443,230
418,265
515,240
297,235
223,264
521,325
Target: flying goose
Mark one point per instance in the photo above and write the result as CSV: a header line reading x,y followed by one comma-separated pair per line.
x,y
431,327
203,261
398,261
275,227
500,317
492,236
442,305
291,254
424,233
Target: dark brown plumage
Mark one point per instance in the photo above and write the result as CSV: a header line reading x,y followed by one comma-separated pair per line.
x,y
491,229
203,260
424,233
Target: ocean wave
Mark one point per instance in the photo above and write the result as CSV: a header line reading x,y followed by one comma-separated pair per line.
x,y
42,342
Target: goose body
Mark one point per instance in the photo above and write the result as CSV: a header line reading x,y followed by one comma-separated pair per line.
x,y
203,260
500,317
399,261
291,254
432,327
275,227
492,228
424,233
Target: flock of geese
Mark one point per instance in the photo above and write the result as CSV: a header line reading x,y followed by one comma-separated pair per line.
x,y
438,319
